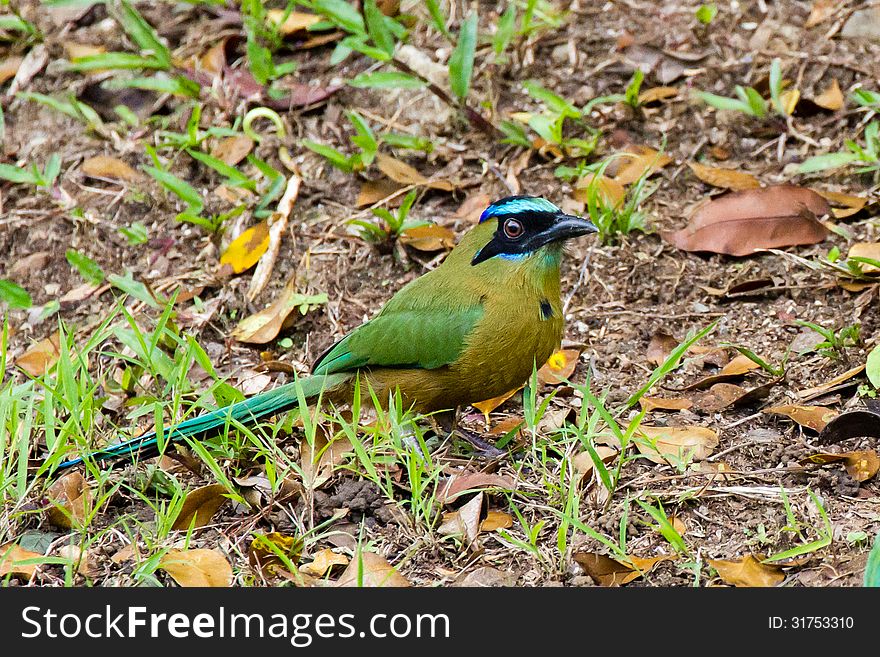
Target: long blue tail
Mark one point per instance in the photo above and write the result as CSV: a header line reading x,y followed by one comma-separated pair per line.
x,y
248,411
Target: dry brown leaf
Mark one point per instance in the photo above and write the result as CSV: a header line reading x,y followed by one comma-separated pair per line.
x,y
71,500
214,59
845,205
831,97
870,250
610,193
9,67
369,569
246,249
559,367
104,166
472,207
813,417
11,556
718,397
732,370
432,237
318,461
373,191
638,161
663,404
821,11
296,21
200,505
655,94
583,462
123,554
659,348
403,173
861,465
200,567
465,521
40,358
488,405
496,520
675,444
818,391
452,487
263,326
76,50
739,223
747,572
606,571
724,178
323,562
233,150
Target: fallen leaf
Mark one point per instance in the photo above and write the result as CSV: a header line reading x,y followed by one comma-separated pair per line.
x,y
739,223
821,11
583,463
76,50
428,238
488,405
319,461
559,367
197,568
374,191
747,572
675,444
323,562
40,358
870,250
850,204
404,174
233,150
831,97
655,94
606,571
472,207
104,166
663,404
638,161
789,100
496,520
213,60
450,488
659,348
9,67
718,397
486,576
861,465
263,553
465,521
296,21
843,379
732,370
666,65
812,417
123,554
246,249
200,505
369,569
724,178
610,193
71,501
11,556
263,326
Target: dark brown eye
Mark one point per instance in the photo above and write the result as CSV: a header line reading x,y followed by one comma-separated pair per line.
x,y
513,229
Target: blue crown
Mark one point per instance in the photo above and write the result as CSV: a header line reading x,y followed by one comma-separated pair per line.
x,y
517,205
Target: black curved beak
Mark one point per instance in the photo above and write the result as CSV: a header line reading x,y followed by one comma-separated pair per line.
x,y
565,227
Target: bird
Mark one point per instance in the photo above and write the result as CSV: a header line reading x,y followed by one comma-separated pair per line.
x,y
473,328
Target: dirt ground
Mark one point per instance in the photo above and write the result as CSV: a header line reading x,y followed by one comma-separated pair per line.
x,y
619,297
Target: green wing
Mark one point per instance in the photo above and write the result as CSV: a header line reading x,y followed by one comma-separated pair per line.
x,y
403,336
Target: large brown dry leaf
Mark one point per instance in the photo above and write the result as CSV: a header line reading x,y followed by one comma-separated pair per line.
x,y
675,444
664,404
369,569
322,563
724,178
404,174
265,325
71,500
861,465
559,367
659,348
831,97
40,358
732,370
104,166
428,238
200,504
246,249
812,417
638,161
374,191
606,571
609,192
583,463
463,522
843,379
11,556
747,572
739,223
198,567
450,488
233,150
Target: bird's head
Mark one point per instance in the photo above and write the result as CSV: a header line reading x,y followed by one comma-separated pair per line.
x,y
527,225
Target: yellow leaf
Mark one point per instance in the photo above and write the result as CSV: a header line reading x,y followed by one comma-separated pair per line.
x,y
675,444
606,571
850,204
9,67
77,50
789,100
861,465
655,94
496,520
40,358
263,326
639,161
724,178
324,560
831,97
369,569
814,417
747,572
428,238
246,249
200,504
198,567
104,166
297,21
263,557
11,556
610,193
870,250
